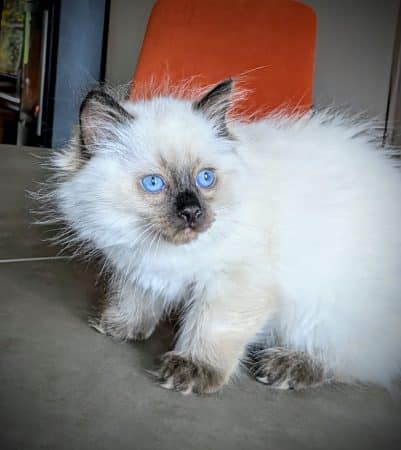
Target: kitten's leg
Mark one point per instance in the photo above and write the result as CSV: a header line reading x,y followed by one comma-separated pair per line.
x,y
130,314
282,368
215,331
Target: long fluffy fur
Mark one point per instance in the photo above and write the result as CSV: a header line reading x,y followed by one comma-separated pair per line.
x,y
305,247
337,246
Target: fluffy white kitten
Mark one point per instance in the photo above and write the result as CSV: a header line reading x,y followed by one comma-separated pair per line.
x,y
279,240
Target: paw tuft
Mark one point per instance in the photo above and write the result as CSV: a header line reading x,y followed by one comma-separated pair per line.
x,y
184,375
121,330
284,369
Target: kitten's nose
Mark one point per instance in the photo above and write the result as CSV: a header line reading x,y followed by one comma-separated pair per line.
x,y
191,214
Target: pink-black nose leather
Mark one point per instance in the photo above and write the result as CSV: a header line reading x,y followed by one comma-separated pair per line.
x,y
191,215
189,209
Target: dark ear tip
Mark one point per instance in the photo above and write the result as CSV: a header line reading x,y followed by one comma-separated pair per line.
x,y
94,95
226,85
89,97
229,81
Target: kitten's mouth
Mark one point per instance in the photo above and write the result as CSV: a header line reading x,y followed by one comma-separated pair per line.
x,y
186,234
178,233
191,231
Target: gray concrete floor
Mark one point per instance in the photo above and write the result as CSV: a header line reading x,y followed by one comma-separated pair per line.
x,y
63,386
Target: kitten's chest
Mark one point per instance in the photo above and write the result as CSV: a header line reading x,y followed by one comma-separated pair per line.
x,y
171,275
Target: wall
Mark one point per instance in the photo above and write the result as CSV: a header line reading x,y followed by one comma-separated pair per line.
x,y
393,126
354,51
78,60
127,26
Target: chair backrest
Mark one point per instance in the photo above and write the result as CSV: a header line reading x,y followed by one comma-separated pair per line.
x,y
269,44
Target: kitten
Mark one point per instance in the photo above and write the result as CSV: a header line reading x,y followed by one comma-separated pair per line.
x,y
279,239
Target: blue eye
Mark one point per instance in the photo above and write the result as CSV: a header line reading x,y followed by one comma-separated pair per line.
x,y
153,183
205,178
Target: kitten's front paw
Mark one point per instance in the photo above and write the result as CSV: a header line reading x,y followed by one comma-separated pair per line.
x,y
121,330
284,369
187,376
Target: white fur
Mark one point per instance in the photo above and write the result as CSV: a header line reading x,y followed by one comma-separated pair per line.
x,y
306,242
336,202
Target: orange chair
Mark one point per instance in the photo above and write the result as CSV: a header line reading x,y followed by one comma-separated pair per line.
x,y
270,44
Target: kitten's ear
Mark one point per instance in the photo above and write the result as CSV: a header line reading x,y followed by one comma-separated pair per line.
x,y
99,116
216,103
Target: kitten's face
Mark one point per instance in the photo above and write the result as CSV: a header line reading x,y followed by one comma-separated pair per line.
x,y
167,164
173,200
